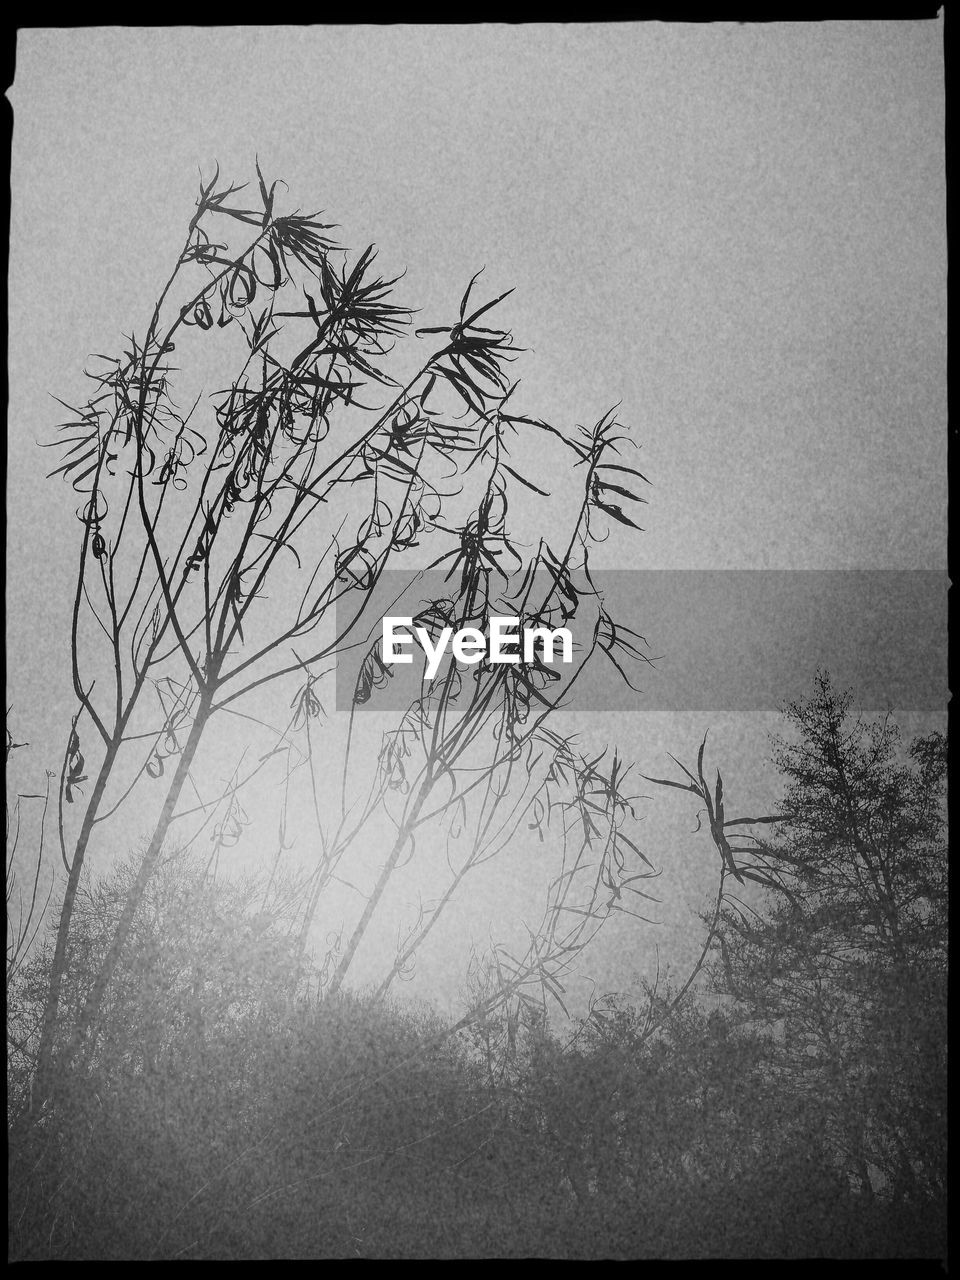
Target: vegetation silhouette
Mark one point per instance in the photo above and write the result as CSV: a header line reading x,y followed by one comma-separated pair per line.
x,y
234,1109
191,1073
189,519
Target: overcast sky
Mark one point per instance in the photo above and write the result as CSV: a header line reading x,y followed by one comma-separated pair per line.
x,y
738,232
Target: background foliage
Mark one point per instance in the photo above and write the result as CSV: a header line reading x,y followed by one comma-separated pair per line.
x,y
796,1111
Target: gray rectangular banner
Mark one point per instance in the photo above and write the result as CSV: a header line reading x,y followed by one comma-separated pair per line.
x,y
717,640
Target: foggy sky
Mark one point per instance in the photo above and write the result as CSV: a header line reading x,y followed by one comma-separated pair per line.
x,y
737,232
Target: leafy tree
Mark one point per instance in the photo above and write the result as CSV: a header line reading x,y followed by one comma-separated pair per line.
x,y
208,957
668,1124
227,1110
846,952
233,541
